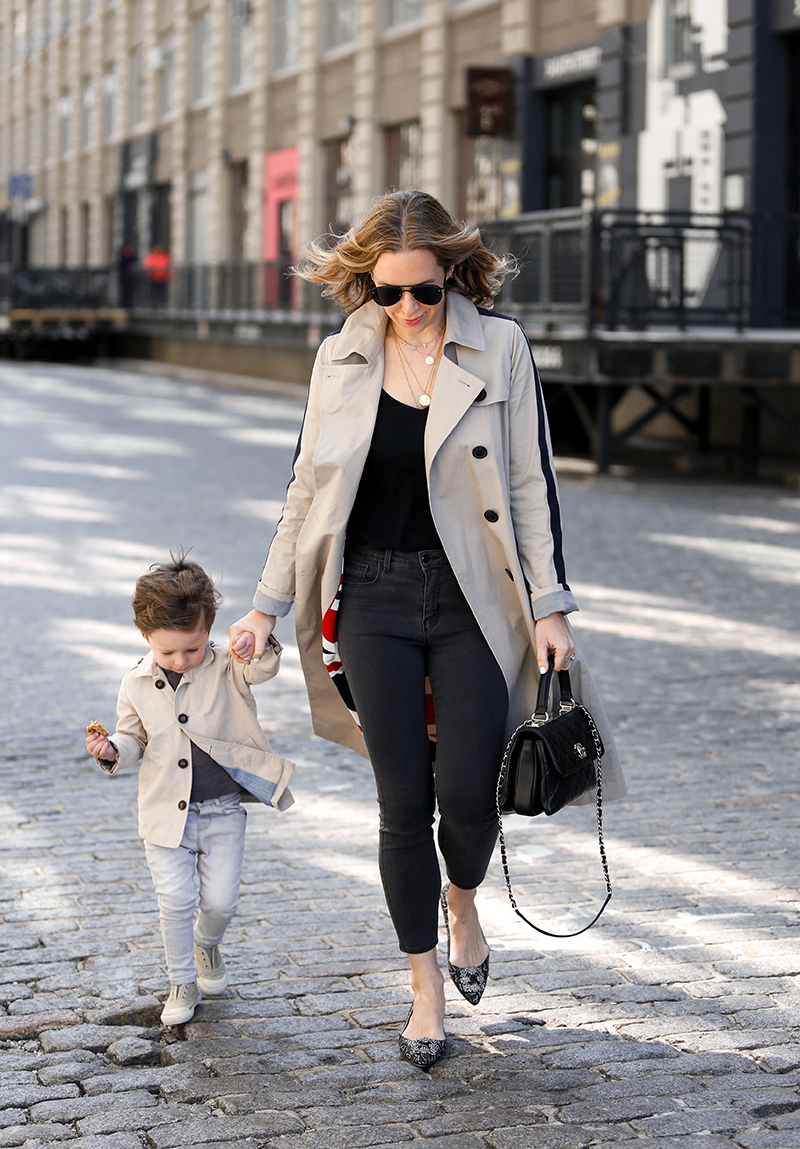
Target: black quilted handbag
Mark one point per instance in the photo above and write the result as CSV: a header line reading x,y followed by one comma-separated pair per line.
x,y
548,763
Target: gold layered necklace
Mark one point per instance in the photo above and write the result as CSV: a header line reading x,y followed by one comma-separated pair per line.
x,y
432,361
429,356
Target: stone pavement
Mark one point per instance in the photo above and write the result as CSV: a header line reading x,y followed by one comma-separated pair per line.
x,y
676,1017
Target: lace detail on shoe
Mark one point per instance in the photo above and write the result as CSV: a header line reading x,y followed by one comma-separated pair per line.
x,y
212,976
469,980
181,1004
420,1051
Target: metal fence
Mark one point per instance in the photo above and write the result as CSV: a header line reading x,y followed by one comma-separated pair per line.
x,y
629,269
224,290
57,289
578,270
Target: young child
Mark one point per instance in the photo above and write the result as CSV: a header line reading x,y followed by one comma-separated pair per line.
x,y
187,712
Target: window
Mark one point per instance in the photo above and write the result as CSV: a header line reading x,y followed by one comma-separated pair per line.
x,y
63,237
87,114
30,29
166,74
199,52
680,44
27,142
46,141
135,88
340,22
397,12
285,33
87,10
404,155
12,147
66,12
64,113
240,43
86,233
339,184
109,102
47,16
19,29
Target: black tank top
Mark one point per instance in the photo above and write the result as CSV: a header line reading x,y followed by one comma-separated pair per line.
x,y
392,508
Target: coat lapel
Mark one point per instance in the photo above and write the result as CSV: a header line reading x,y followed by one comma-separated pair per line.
x,y
456,389
453,395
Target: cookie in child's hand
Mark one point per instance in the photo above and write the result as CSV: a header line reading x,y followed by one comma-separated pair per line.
x,y
97,728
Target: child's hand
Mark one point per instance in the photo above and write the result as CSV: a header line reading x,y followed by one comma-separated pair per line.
x,y
255,626
100,747
243,646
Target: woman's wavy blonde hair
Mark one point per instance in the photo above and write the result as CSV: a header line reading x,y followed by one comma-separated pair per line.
x,y
404,221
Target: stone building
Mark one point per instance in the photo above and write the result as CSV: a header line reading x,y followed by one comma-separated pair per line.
x,y
235,129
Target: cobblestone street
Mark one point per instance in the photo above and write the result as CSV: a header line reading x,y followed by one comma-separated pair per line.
x,y
677,1016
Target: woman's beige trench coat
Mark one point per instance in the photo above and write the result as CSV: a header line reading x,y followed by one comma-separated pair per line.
x,y
492,491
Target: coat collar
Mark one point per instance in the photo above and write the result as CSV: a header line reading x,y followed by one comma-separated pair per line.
x,y
364,331
149,667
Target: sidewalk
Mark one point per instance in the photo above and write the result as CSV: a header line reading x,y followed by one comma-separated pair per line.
x,y
677,1016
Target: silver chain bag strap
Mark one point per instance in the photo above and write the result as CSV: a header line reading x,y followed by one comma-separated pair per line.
x,y
549,762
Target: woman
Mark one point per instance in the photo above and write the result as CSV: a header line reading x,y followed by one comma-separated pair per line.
x,y
424,441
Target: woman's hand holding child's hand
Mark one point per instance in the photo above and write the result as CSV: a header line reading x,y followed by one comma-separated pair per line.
x,y
254,631
100,747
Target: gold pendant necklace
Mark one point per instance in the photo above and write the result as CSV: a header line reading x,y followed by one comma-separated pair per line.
x,y
424,399
429,358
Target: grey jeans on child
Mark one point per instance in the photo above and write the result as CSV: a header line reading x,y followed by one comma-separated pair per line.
x,y
209,858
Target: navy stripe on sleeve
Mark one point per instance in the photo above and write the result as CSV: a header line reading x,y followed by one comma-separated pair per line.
x,y
549,473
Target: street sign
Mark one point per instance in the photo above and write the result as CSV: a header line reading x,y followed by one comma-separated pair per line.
x,y
20,185
490,101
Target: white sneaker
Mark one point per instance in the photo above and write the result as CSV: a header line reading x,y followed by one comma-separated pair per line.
x,y
212,977
181,1004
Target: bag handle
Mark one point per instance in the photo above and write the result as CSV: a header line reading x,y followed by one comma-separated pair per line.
x,y
542,710
542,698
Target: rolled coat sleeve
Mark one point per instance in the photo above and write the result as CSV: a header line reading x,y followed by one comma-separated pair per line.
x,y
535,509
276,587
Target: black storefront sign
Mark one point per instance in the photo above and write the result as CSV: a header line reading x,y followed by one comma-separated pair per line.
x,y
490,102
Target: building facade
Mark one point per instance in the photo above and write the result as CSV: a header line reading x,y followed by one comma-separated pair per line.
x,y
229,130
236,129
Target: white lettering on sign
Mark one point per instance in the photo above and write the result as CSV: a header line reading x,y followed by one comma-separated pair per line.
x,y
583,60
548,357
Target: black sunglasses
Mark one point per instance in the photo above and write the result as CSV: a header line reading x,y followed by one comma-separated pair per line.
x,y
428,294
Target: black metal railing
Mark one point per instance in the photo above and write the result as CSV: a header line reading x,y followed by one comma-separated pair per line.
x,y
579,270
57,288
222,290
635,270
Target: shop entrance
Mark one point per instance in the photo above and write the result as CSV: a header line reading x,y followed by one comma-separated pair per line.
x,y
571,146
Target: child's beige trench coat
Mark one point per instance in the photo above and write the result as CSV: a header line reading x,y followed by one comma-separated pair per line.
x,y
492,492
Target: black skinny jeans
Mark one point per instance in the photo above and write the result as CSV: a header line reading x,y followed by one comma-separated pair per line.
x,y
402,616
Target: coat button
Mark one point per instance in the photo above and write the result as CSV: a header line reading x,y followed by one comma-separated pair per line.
x,y
491,516
183,763
480,452
479,398
183,717
160,684
181,805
